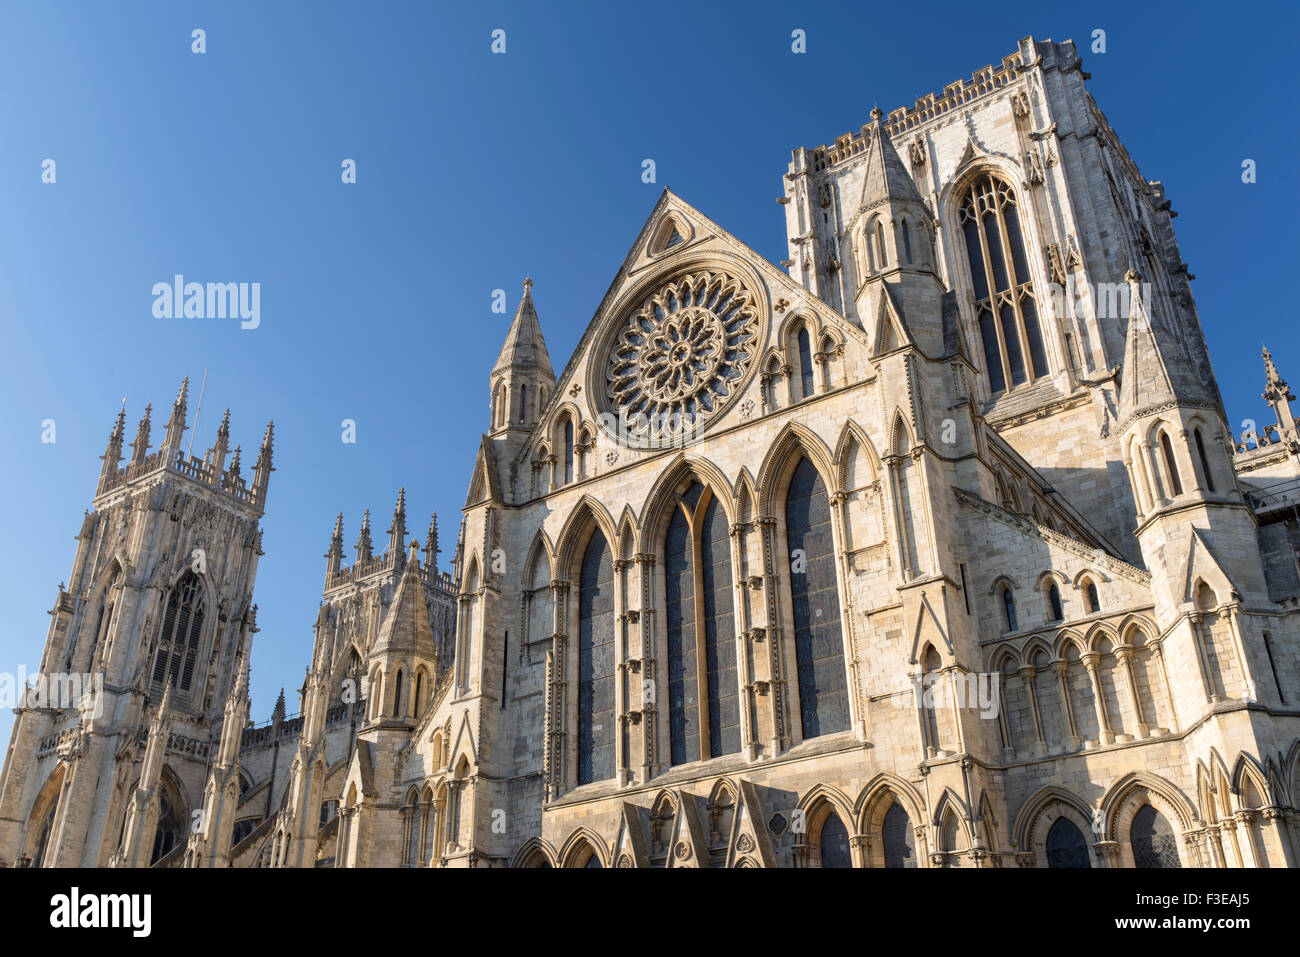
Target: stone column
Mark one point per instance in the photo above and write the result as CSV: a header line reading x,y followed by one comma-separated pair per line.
x,y
1061,668
1104,732
1124,655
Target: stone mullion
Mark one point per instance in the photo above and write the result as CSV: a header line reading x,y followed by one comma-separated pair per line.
x,y
1104,731
1124,655
744,666
1062,668
775,636
1157,648
1200,637
557,684
622,696
1029,678
649,668
1239,649
839,502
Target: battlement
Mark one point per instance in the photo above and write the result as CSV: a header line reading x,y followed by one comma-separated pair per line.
x,y
388,562
932,106
228,480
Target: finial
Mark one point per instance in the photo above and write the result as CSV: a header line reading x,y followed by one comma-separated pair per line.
x,y
528,284
877,113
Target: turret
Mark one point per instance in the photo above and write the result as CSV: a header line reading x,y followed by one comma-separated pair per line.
x,y
522,379
887,268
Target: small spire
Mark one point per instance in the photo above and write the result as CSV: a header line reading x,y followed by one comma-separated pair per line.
x,y
431,543
397,531
336,540
223,431
176,423
233,471
278,713
140,447
364,545
413,554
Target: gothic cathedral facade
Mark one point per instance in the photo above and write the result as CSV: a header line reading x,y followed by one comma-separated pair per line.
x,y
932,548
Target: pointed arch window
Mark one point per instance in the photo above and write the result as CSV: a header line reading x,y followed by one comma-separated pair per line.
x,y
397,695
703,702
1205,460
805,362
897,837
1093,598
834,843
1009,609
819,646
595,749
1066,846
1054,610
880,245
523,402
1005,306
182,627
1154,844
568,451
907,241
1167,449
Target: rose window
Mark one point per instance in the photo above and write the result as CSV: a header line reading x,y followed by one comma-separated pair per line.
x,y
683,356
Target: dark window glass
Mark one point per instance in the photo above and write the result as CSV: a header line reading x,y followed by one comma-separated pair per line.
x,y
719,632
596,663
976,257
1154,844
683,705
805,363
593,861
1066,846
523,402
1009,606
1011,336
898,839
992,228
819,650
992,355
568,452
178,644
1054,602
1205,461
907,240
1094,600
1034,335
1168,449
834,843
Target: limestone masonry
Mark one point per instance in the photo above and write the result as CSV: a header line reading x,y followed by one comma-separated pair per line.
x,y
932,548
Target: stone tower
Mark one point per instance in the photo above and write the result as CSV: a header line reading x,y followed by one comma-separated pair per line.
x,y
156,616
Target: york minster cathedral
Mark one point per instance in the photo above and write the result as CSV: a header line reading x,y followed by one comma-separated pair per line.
x,y
931,546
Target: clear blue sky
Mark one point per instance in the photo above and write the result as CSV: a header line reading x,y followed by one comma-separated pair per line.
x,y
475,170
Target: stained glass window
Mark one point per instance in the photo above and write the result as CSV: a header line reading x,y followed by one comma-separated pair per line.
x,y
1066,846
1154,844
1005,307
834,841
897,837
819,649
695,587
178,645
596,663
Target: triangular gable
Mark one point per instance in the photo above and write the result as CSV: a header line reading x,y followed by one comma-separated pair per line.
x,y
638,261
750,844
928,630
630,845
465,735
688,848
484,484
891,328
1201,564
